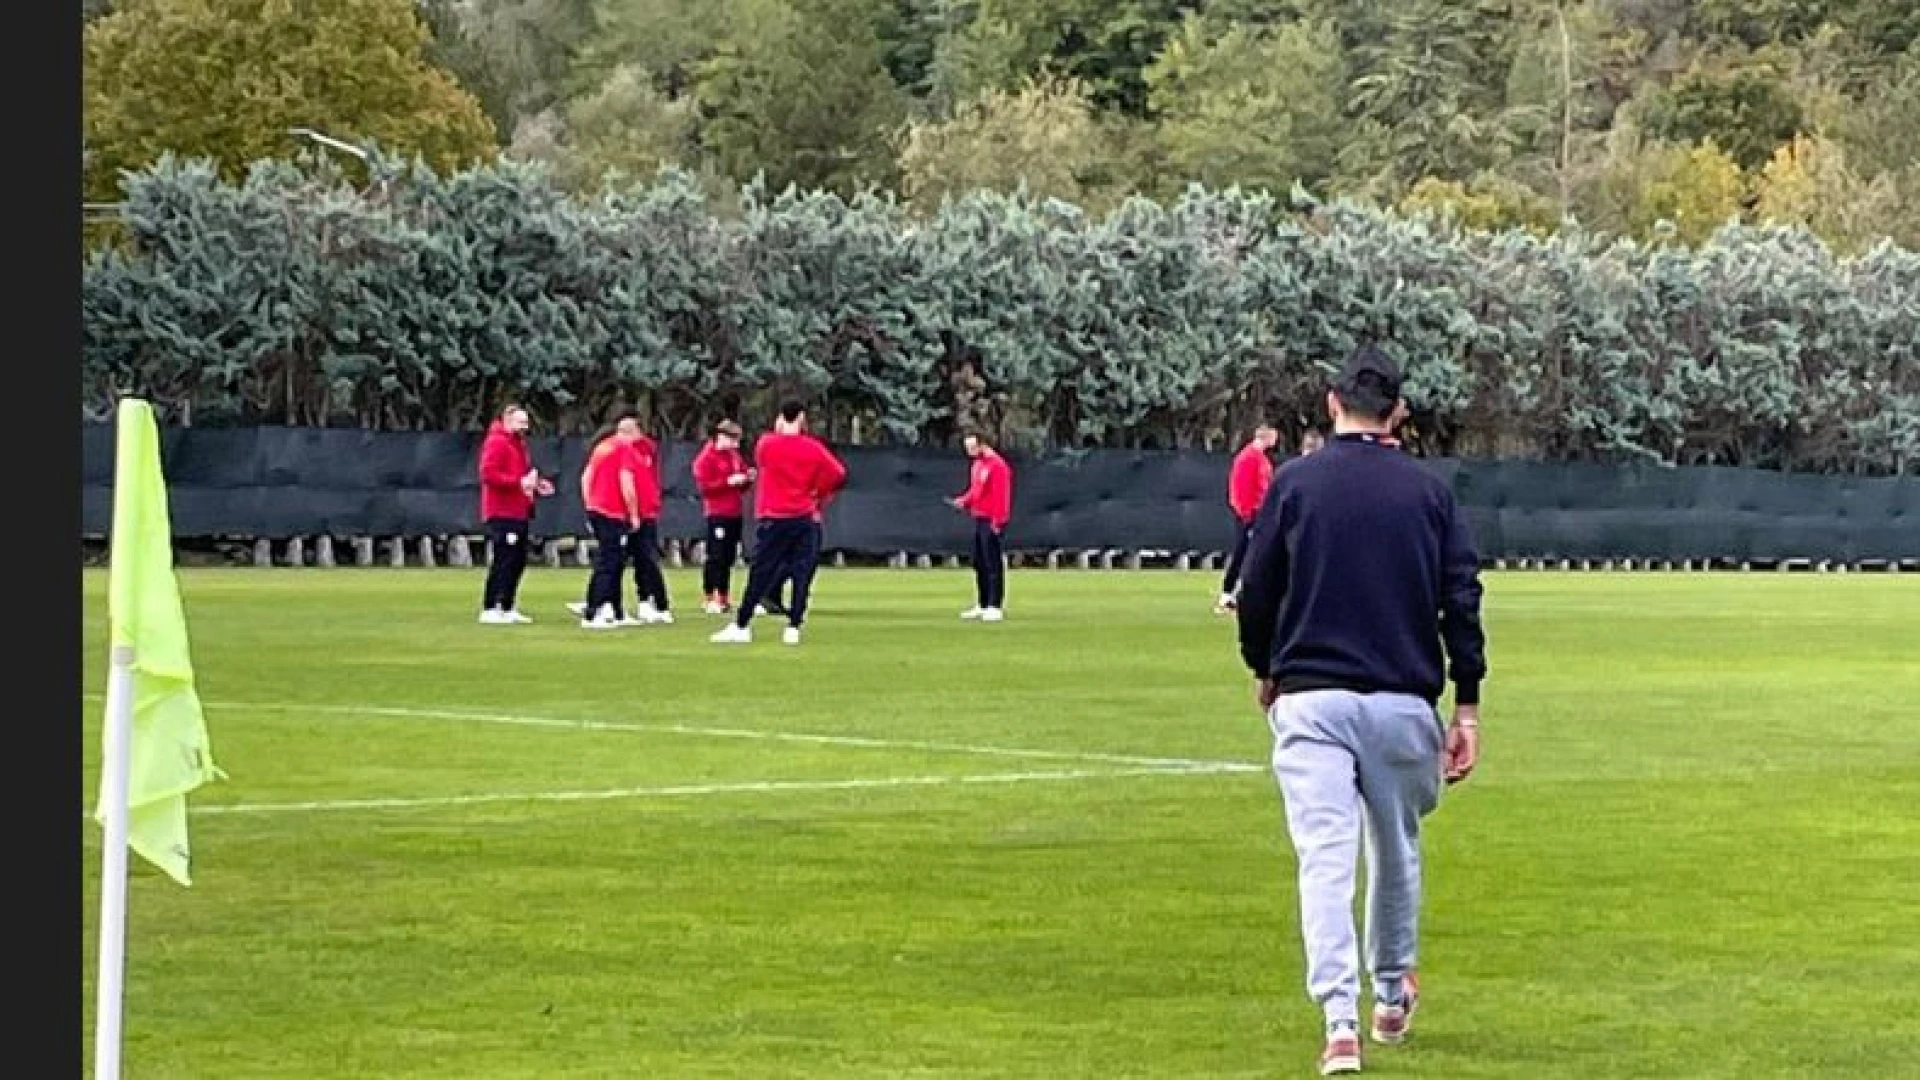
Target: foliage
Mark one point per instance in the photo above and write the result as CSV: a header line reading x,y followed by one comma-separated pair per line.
x,y
298,296
1809,182
1042,138
1746,111
1250,106
774,109
1664,190
227,79
1552,109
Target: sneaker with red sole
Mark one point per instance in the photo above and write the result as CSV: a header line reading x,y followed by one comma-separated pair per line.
x,y
1341,1055
1391,1023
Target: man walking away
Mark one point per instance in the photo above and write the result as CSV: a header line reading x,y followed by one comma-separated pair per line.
x,y
798,477
1247,484
508,485
651,603
989,499
610,487
1360,572
721,474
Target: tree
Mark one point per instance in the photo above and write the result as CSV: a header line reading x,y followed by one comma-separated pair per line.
x,y
1491,203
627,128
353,67
531,46
1106,44
1882,129
1249,106
665,38
1426,92
462,53
1746,109
1559,102
1042,137
975,53
799,94
1809,182
1644,187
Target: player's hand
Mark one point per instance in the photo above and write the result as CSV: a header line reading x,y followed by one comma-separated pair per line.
x,y
1463,744
1266,692
738,479
543,487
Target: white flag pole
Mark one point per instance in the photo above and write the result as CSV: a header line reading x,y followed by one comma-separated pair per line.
x,y
110,987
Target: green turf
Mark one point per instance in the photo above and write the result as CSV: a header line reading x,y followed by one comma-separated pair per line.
x,y
1692,849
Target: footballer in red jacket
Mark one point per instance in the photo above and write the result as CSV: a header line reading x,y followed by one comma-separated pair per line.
x,y
508,486
989,500
723,477
798,477
1247,483
651,603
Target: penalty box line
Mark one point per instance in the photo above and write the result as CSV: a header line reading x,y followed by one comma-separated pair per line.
x,y
687,790
860,741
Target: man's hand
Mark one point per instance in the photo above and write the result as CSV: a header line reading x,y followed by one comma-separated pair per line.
x,y
738,479
543,487
1463,744
1266,692
954,501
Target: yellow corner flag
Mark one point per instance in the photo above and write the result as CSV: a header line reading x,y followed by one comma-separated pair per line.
x,y
168,755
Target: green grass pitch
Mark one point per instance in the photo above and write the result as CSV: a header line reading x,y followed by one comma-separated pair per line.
x,y
915,847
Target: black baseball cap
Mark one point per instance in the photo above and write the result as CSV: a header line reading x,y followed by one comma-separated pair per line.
x,y
1369,383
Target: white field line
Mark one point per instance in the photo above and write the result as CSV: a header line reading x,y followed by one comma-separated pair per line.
x,y
516,720
684,790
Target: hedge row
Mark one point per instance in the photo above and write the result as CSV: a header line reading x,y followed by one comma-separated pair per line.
x,y
422,301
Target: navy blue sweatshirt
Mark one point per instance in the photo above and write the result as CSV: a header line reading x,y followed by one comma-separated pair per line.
x,y
1359,568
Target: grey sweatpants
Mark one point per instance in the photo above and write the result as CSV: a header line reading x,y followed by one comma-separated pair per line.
x,y
1350,764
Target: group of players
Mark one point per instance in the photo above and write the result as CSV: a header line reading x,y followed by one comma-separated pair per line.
x,y
793,477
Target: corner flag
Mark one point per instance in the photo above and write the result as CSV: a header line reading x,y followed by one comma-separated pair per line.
x,y
154,738
167,749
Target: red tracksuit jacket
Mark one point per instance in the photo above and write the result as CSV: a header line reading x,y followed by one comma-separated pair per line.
x,y
711,467
503,461
646,477
990,490
1247,483
798,475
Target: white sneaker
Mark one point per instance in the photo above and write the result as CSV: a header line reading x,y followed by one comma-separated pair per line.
x,y
578,608
494,617
602,620
790,636
658,618
733,634
993,614
1226,603
515,616
712,607
972,613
